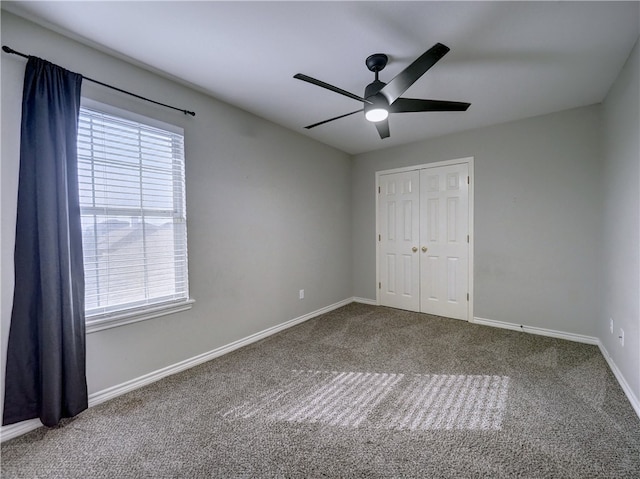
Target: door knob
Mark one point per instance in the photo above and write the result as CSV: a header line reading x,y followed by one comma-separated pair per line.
x,y
424,249
414,249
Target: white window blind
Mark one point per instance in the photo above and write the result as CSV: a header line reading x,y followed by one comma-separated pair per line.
x,y
132,201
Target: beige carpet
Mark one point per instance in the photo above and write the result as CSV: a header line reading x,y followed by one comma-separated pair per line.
x,y
362,391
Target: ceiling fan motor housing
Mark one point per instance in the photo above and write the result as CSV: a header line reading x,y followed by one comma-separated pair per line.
x,y
373,88
377,99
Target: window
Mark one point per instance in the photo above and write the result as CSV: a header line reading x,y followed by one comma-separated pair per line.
x,y
132,203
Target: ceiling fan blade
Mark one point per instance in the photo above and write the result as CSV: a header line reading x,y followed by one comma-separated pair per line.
x,y
405,105
383,128
300,76
407,77
331,119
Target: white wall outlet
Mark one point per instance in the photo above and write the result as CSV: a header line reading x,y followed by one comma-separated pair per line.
x,y
302,294
621,337
611,325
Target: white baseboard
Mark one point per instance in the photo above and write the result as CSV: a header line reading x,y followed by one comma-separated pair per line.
x,y
118,390
18,429
635,403
15,430
579,338
371,302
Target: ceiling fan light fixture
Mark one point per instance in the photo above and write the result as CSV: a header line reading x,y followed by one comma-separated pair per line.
x,y
375,115
378,108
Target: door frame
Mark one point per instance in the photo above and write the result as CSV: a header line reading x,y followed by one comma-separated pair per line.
x,y
469,162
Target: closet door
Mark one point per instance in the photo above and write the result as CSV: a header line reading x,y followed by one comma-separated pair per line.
x,y
444,241
399,230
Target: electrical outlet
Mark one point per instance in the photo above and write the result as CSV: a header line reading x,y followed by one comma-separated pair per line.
x,y
611,325
302,294
621,337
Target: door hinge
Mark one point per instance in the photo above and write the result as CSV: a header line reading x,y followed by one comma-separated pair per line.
x,y
467,296
468,180
467,238
378,189
379,237
379,285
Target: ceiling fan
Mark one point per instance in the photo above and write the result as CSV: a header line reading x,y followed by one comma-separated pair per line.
x,y
381,98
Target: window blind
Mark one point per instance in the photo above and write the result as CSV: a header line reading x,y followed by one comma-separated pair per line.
x,y
132,201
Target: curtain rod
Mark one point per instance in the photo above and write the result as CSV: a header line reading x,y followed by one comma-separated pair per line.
x,y
186,112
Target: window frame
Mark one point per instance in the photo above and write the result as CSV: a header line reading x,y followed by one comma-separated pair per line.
x,y
107,320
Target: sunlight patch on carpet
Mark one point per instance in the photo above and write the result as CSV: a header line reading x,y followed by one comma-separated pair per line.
x,y
443,401
386,400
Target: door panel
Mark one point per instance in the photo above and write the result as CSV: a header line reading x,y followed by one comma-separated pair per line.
x,y
443,230
399,227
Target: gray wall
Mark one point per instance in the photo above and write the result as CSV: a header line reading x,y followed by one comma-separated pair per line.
x,y
537,204
621,221
268,214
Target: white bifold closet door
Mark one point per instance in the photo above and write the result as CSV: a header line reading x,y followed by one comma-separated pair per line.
x,y
399,226
423,226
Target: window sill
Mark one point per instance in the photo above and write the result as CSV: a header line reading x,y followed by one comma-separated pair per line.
x,y
120,319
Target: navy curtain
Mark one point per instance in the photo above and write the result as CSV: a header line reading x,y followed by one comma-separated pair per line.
x,y
45,368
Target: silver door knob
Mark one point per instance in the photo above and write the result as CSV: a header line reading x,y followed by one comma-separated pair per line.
x,y
414,249
424,249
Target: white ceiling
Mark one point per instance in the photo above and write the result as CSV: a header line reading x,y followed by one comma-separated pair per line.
x,y
510,60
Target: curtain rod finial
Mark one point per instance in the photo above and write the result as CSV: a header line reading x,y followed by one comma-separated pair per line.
x,y
7,49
